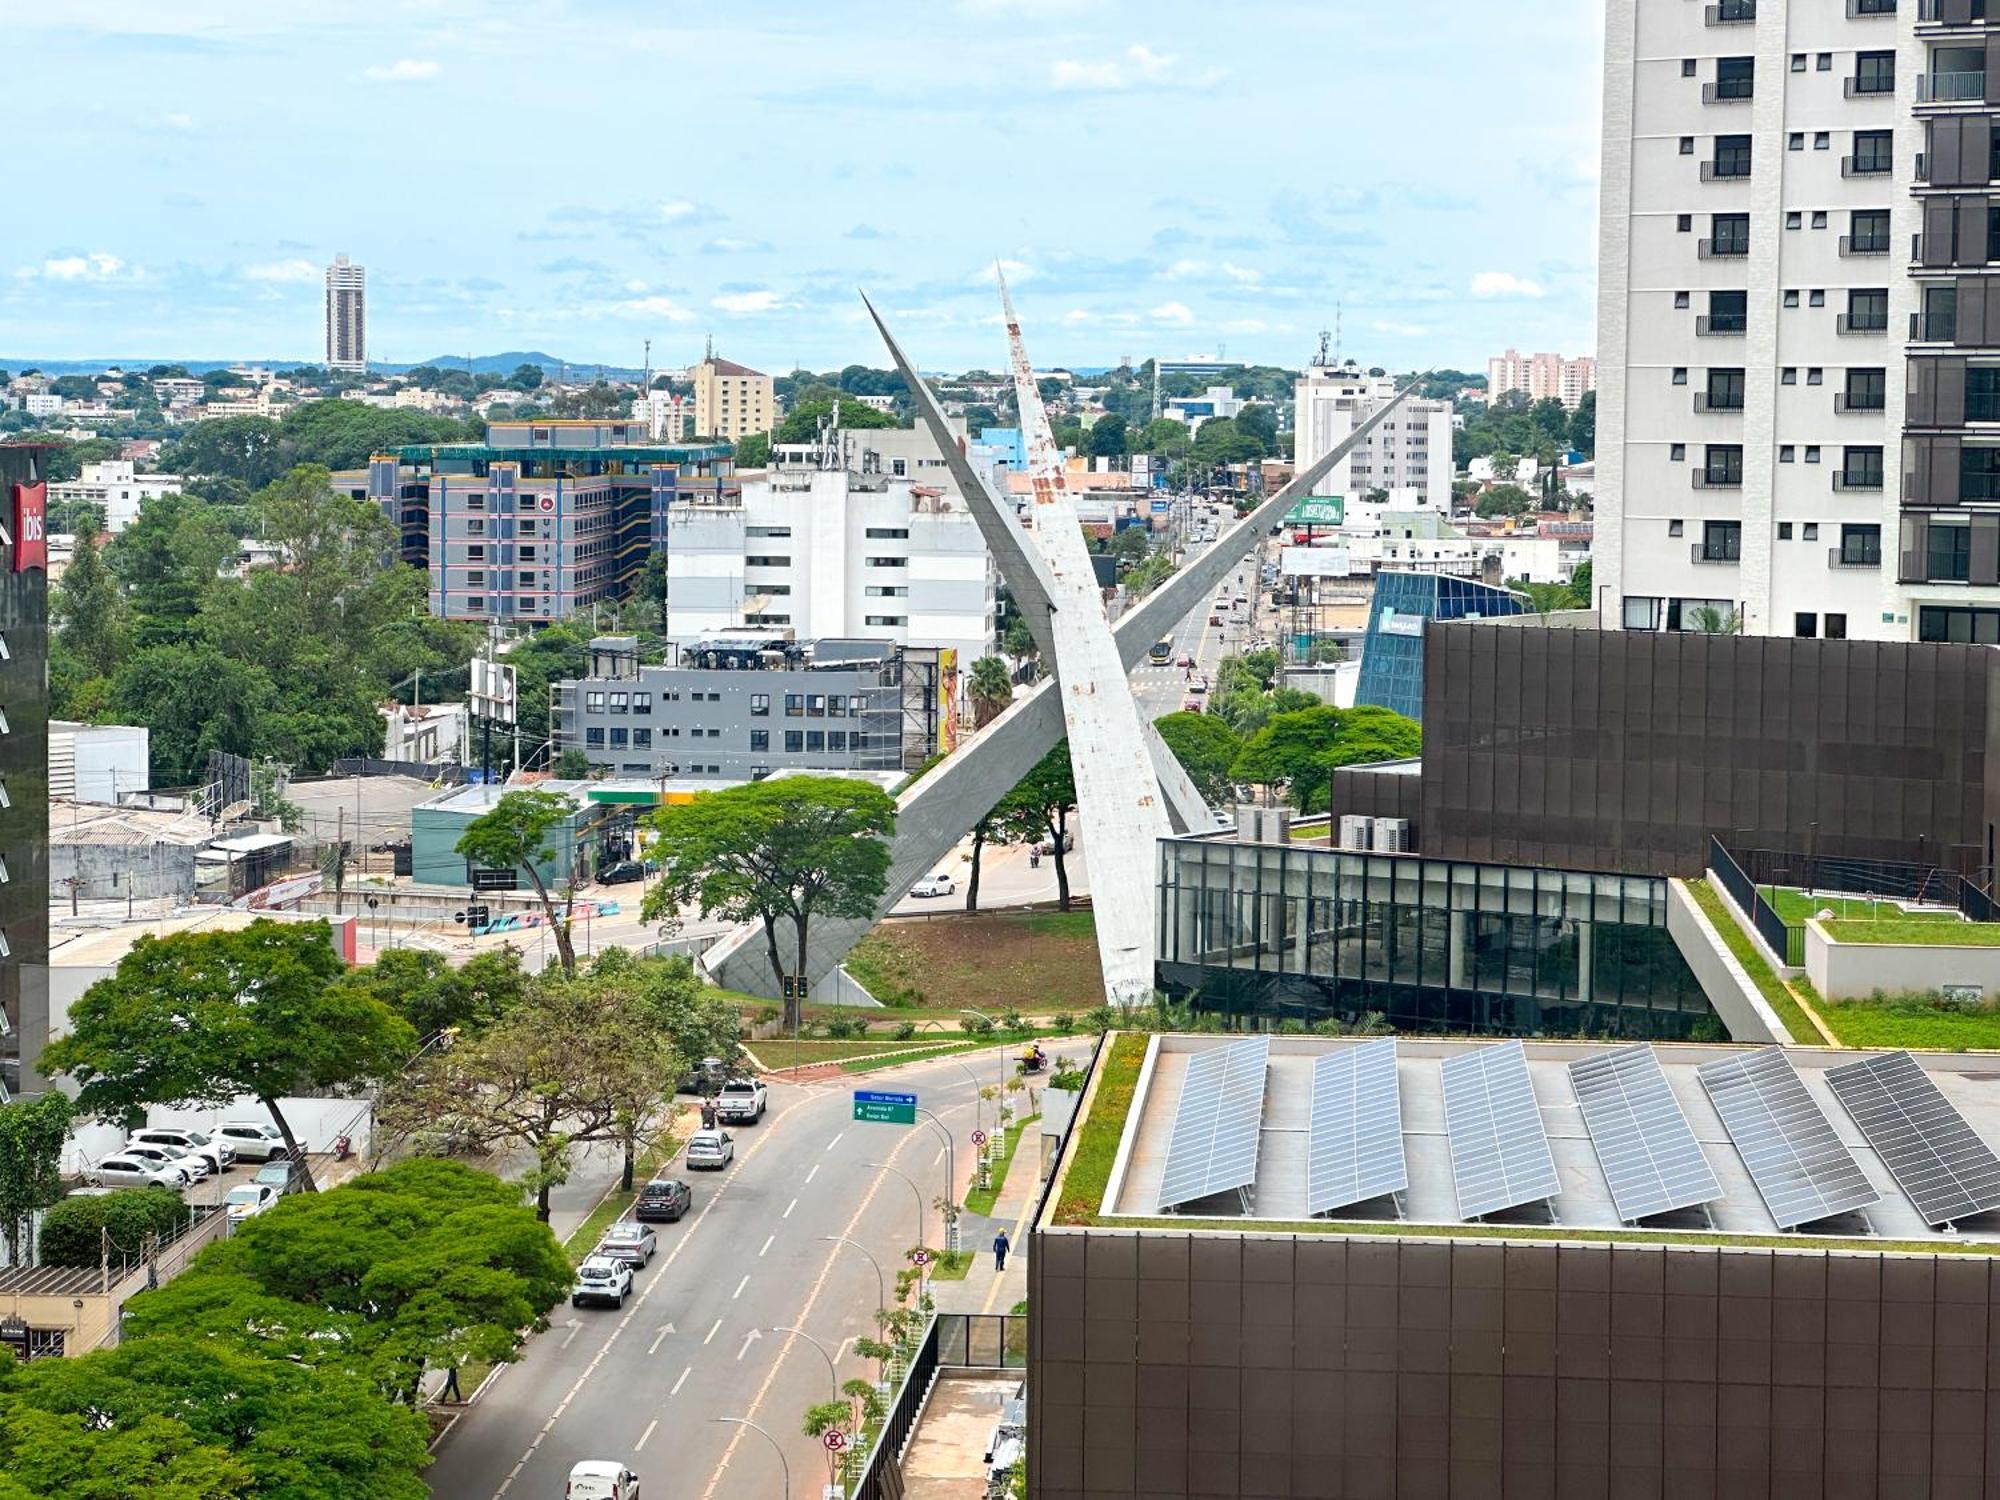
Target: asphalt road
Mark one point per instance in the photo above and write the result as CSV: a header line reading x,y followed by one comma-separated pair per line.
x,y
695,1342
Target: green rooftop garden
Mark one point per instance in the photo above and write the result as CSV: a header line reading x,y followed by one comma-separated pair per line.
x,y
1794,906
1912,928
1780,999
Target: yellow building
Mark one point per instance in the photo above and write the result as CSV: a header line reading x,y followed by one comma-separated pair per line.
x,y
731,401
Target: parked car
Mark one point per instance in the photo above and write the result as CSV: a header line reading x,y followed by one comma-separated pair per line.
x,y
601,1279
218,1153
939,884
167,1156
621,873
664,1199
630,1242
249,1199
251,1140
711,1150
741,1102
705,1079
284,1176
135,1171
601,1479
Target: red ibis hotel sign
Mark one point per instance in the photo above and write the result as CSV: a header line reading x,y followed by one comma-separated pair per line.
x,y
31,527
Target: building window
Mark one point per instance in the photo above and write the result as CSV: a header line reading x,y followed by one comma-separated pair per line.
x,y
836,705
1805,623
1949,551
620,737
1677,453
888,562
1687,145
1940,319
1867,390
1798,62
1683,223
836,740
1868,231
1680,375
593,737
1723,464
1796,141
1861,545
1787,453
1680,301
1868,310
1721,541
642,737
888,619
1978,474
1874,152
887,533
1819,218
815,741
1836,627
1728,312
1789,375
767,561
1861,468
593,702
621,703
1784,531
1874,73
795,705
1735,77
1817,298
1674,528
795,741
760,705
1815,375
815,705
1725,390
1732,156
1792,298
1812,453
1795,220
760,739
1642,613
1687,67
1729,234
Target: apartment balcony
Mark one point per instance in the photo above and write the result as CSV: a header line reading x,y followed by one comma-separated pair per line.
x,y
1951,88
1860,9
1933,329
1714,552
1713,249
1718,171
1923,167
1846,323
1843,481
1858,406
1962,13
1873,166
1729,13
1704,480
1868,88
1843,557
1720,325
1729,91
1853,245
1722,406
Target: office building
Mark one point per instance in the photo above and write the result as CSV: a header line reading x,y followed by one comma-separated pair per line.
x,y
24,767
732,401
1409,455
1541,377
115,487
1414,1268
346,316
544,518
828,553
739,706
1392,653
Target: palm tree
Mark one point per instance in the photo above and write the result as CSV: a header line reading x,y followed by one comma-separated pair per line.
x,y
991,690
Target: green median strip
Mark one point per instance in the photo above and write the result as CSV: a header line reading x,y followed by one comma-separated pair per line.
x,y
981,1200
583,1239
1780,999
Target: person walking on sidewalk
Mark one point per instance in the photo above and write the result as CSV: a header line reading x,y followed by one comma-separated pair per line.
x,y
1000,1251
451,1392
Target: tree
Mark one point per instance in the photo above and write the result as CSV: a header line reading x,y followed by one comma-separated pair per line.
x,y
167,560
241,448
1167,437
1038,808
753,451
32,1133
791,849
207,1017
526,377
1018,641
89,609
71,1453
801,424
1504,500
73,1231
1300,750
1206,747
1583,425
1130,543
1106,437
434,995
1259,421
573,764
193,699
983,833
515,835
991,689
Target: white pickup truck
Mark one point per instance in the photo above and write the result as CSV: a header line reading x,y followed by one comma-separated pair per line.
x,y
741,1102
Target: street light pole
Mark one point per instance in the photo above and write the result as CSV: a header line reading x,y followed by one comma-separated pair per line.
x,y
950,1182
915,1192
783,1466
833,1375
881,1285
999,1098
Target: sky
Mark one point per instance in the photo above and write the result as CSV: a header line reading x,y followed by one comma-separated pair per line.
x,y
577,176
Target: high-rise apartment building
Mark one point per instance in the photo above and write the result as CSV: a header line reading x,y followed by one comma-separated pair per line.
x,y
732,401
1409,455
346,316
24,765
1799,421
1541,377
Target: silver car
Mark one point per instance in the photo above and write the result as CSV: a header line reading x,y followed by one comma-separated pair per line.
x,y
251,1139
194,1166
219,1154
132,1171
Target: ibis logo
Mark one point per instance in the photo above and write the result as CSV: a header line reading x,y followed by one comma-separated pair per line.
x,y
31,527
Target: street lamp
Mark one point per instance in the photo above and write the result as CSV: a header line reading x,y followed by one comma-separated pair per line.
x,y
915,1192
881,1286
1000,1098
833,1375
978,1117
950,1181
776,1448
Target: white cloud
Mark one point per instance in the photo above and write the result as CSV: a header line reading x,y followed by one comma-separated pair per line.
x,y
1149,64
728,244
177,121
96,266
635,285
1068,73
1246,325
1077,315
742,303
1183,268
1016,272
281,270
404,70
1242,274
1137,66
679,209
1505,284
1400,330
1172,312
657,307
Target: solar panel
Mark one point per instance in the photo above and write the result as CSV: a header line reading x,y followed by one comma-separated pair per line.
x,y
1499,1150
1802,1170
1643,1141
1947,1170
1216,1122
1357,1127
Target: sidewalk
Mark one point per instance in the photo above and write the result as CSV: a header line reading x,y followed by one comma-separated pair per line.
x,y
984,1290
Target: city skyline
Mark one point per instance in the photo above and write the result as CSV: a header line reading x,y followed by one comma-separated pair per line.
x,y
1197,182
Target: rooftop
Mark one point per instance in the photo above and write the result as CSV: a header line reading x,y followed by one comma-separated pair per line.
x,y
73,822
1582,1205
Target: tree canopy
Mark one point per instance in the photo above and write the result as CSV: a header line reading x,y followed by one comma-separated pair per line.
x,y
1206,747
1299,750
519,832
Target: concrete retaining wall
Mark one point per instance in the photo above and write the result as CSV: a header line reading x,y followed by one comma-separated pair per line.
x,y
1854,971
1729,989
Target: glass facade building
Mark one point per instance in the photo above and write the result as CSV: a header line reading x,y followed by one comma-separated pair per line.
x,y
1282,931
1392,651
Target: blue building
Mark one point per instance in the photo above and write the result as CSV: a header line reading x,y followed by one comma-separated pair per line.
x,y
1392,652
1008,444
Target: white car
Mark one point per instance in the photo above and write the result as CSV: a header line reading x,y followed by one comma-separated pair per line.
x,y
219,1154
710,1149
249,1200
601,1279
167,1156
601,1479
133,1171
934,885
252,1140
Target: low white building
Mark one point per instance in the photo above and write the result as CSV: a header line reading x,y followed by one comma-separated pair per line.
x,y
115,485
426,732
98,762
41,404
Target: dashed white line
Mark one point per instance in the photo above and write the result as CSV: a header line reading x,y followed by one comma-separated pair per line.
x,y
570,1337
767,1246
812,1174
636,1447
713,1331
739,1288
682,1381
788,1209
836,1139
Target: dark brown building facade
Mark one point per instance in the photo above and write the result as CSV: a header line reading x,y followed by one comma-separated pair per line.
x,y
24,762
1626,750
1168,1364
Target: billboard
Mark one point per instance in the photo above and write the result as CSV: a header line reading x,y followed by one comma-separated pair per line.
x,y
1313,562
1319,510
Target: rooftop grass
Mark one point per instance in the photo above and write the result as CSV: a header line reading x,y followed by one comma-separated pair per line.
x,y
1953,933
1908,1021
1794,906
1095,1148
1780,999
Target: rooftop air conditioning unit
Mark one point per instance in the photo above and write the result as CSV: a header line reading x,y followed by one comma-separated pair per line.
x,y
1392,835
1356,831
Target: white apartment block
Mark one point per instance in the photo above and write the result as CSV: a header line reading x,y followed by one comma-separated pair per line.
x,y
346,316
114,485
1541,377
1799,419
1409,455
825,552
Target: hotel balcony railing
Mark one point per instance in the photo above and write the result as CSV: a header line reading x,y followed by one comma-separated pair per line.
x,y
1935,329
1859,406
1705,401
1868,88
1845,323
1714,552
1873,166
1704,480
1720,171
1842,480
1845,557
1864,244
1856,9
1720,325
1729,91
1713,249
1729,13
1951,88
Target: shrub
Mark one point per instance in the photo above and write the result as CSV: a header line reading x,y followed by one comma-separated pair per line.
x,y
978,1026
1064,1022
72,1231
1100,1018
1013,1020
905,1030
846,1028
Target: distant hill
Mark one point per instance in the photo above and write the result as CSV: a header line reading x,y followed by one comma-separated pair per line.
x,y
505,364
482,364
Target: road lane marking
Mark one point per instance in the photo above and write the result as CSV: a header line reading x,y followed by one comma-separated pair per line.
x,y
682,1381
570,1338
788,1209
767,1246
748,1339
640,1445
812,1174
712,1332
739,1288
660,1339
834,1142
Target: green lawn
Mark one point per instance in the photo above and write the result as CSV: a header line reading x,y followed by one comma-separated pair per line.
x,y
1095,1146
781,1052
949,1265
1911,1023
1916,929
981,1200
1794,906
1781,1000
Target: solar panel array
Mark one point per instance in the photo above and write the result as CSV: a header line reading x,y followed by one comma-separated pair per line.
x,y
1499,1150
1357,1127
1216,1122
1801,1168
1947,1170
1643,1141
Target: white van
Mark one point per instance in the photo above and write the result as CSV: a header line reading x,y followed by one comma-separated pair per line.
x,y
601,1479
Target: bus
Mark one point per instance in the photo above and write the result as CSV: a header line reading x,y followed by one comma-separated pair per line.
x,y
1161,653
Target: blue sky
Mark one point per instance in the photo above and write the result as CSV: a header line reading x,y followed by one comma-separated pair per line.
x,y
580,175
